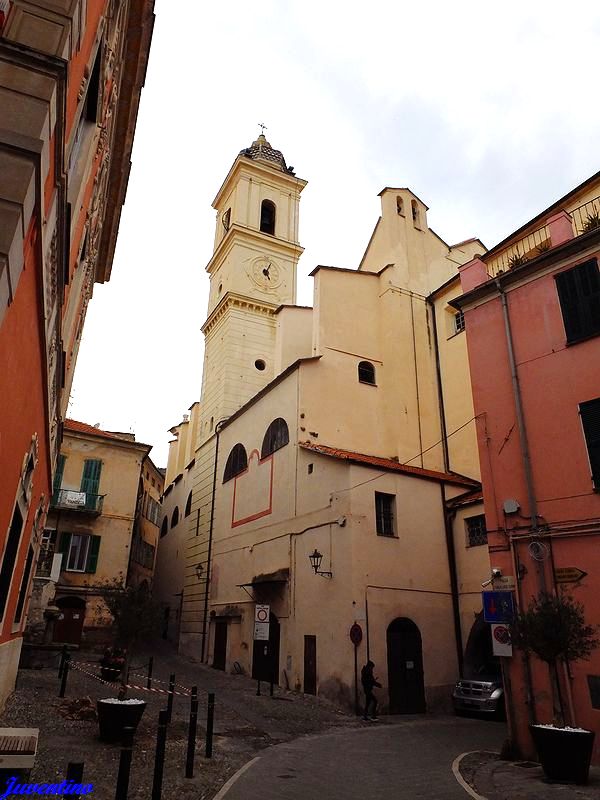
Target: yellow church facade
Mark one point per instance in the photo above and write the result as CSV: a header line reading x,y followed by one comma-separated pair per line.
x,y
331,463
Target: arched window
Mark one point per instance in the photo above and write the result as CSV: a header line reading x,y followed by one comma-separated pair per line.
x,y
175,517
399,206
366,372
415,213
267,217
164,528
277,436
237,461
188,505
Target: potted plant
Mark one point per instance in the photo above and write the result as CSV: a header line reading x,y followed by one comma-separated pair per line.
x,y
135,617
553,628
112,663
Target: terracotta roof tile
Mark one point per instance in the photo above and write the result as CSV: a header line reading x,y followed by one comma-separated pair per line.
x,y
389,464
83,427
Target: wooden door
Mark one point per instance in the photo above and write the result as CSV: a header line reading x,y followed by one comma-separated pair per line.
x,y
310,665
68,626
405,668
220,652
265,655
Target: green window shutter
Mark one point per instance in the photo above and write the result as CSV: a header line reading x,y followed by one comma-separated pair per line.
x,y
90,480
58,476
63,547
92,559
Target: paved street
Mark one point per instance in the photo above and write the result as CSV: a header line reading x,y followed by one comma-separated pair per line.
x,y
408,758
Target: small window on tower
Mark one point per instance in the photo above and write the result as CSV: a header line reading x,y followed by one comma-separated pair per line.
x,y
400,206
366,372
267,217
226,219
415,213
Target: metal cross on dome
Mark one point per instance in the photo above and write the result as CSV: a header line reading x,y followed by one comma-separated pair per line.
x,y
263,127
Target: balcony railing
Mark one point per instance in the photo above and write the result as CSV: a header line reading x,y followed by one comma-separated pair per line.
x,y
72,500
584,218
526,249
48,565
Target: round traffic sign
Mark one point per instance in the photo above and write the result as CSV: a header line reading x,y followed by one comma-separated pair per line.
x,y
356,634
262,615
502,634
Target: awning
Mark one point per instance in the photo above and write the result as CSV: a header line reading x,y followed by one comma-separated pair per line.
x,y
279,576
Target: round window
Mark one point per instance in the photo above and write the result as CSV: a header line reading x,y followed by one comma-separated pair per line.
x,y
260,364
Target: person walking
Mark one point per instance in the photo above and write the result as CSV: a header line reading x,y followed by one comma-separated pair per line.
x,y
369,682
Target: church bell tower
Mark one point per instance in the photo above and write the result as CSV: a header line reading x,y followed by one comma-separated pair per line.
x,y
252,272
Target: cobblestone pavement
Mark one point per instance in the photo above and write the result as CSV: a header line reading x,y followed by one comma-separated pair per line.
x,y
400,759
244,725
521,780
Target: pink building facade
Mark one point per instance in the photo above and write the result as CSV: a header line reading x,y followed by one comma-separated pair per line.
x,y
532,315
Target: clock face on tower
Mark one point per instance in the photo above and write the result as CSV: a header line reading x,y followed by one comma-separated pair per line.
x,y
265,273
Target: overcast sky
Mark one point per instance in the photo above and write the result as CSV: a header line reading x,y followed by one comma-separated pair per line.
x,y
488,112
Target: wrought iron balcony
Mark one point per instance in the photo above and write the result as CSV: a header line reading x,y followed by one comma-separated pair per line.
x,y
72,500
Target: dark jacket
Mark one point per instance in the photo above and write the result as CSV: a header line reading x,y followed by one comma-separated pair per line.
x,y
367,678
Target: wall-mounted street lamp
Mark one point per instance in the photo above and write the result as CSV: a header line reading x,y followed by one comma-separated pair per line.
x,y
315,559
199,570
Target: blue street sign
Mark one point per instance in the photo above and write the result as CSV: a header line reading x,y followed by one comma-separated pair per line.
x,y
498,606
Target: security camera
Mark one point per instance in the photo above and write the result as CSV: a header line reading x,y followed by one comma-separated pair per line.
x,y
496,573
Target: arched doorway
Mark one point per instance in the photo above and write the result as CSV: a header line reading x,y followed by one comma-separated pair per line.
x,y
265,655
479,657
69,623
405,668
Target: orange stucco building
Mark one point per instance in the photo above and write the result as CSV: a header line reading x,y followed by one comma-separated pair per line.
x,y
532,314
70,81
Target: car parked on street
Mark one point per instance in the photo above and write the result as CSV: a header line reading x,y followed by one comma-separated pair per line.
x,y
484,694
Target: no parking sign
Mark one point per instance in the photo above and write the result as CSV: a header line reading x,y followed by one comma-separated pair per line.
x,y
501,642
261,623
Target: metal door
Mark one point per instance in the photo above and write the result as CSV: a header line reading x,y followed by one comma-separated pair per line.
x,y
265,655
220,653
405,668
310,665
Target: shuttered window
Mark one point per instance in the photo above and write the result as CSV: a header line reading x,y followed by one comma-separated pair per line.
x,y
10,555
80,552
58,476
24,586
90,481
590,419
579,294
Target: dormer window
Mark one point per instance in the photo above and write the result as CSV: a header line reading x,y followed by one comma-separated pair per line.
x,y
400,206
267,217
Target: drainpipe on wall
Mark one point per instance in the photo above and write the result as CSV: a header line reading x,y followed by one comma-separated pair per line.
x,y
448,517
519,408
440,389
453,579
218,427
526,458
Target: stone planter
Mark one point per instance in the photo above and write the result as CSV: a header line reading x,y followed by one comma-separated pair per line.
x,y
565,753
115,715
